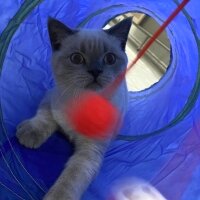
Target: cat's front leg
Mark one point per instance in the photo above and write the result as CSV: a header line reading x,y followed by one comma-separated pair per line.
x,y
79,171
35,131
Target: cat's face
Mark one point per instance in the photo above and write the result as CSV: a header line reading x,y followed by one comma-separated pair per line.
x,y
87,59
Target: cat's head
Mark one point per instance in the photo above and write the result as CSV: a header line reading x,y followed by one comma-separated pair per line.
x,y
88,59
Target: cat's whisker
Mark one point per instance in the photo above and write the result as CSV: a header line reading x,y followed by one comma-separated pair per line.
x,y
105,80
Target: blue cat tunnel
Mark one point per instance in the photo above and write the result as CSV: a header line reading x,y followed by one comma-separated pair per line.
x,y
160,139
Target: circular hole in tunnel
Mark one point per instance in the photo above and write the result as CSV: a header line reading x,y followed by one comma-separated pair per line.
x,y
153,65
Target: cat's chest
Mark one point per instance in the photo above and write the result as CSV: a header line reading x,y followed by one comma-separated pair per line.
x,y
58,109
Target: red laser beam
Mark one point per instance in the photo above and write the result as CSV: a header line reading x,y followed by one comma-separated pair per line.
x,y
110,89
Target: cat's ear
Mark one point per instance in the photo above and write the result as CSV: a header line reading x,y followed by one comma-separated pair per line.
x,y
121,30
58,32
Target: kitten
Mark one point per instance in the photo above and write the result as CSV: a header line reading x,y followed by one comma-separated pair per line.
x,y
82,60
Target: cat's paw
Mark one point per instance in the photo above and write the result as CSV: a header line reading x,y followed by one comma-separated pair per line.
x,y
135,189
30,134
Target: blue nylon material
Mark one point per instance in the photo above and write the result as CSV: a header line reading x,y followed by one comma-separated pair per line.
x,y
6,15
170,158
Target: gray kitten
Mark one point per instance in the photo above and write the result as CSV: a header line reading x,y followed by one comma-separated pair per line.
x,y
82,60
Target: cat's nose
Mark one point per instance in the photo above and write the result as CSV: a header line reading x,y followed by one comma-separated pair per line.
x,y
95,73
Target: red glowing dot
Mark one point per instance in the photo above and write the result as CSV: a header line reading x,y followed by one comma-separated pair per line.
x,y
93,116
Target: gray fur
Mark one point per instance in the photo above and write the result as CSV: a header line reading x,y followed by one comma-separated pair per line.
x,y
71,80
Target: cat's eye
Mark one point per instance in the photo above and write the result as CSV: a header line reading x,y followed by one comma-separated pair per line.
x,y
77,58
109,59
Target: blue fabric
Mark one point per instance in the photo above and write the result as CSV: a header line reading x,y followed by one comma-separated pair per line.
x,y
169,158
